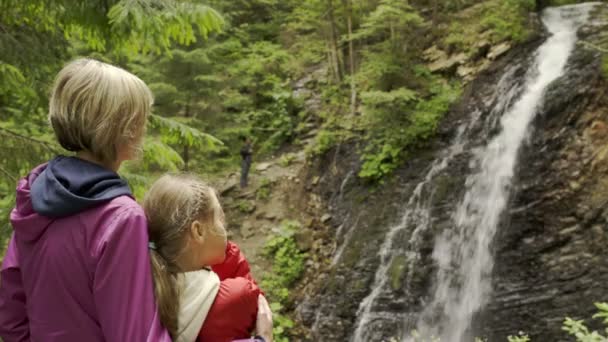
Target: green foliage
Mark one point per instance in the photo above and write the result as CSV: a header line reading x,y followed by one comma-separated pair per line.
x,y
287,159
181,133
400,121
519,338
507,19
153,25
287,267
263,192
578,329
491,20
37,37
391,18
245,206
325,140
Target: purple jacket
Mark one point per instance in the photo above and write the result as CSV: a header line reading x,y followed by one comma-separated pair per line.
x,y
81,277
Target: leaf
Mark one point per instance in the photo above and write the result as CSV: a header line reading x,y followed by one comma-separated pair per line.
x,y
179,133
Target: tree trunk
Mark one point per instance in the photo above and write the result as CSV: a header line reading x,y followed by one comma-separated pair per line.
x,y
335,55
186,157
186,152
435,12
351,54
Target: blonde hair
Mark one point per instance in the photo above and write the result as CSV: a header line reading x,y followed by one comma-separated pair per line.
x,y
172,204
97,107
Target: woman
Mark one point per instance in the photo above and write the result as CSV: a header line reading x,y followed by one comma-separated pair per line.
x,y
77,266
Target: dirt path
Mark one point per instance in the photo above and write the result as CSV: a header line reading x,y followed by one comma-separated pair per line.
x,y
255,213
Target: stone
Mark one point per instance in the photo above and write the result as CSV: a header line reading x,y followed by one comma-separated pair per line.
x,y
498,50
270,216
598,231
263,166
574,185
433,54
326,218
304,240
569,230
315,180
446,64
396,271
228,187
598,129
465,71
246,230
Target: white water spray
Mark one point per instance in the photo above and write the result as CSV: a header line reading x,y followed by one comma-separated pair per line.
x,y
463,254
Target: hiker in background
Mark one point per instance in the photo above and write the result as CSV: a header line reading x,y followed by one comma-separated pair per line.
x,y
246,153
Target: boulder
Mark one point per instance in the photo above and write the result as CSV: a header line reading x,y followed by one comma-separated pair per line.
x,y
446,64
498,50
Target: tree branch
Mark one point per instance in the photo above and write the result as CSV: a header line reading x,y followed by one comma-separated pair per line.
x,y
593,46
8,174
47,145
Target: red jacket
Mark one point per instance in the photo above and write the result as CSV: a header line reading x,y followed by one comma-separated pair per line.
x,y
233,313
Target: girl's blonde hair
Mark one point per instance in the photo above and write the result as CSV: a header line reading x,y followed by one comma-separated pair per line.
x,y
172,204
97,107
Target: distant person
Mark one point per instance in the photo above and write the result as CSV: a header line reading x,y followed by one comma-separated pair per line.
x,y
203,283
77,267
246,156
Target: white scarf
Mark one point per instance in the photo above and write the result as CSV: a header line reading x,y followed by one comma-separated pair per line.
x,y
198,291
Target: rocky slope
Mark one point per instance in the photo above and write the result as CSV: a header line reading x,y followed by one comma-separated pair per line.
x,y
550,250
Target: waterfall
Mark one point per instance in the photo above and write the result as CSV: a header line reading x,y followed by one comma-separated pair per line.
x,y
462,252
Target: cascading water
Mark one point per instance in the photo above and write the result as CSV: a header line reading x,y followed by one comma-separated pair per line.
x,y
463,253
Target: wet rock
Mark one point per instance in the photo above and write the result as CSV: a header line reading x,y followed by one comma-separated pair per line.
x,y
499,50
396,271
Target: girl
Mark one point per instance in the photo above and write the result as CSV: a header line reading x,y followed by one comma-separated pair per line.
x,y
187,236
77,267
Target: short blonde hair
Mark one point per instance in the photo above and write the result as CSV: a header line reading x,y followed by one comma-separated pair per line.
x,y
97,107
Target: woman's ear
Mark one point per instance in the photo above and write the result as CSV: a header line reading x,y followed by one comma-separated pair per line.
x,y
197,230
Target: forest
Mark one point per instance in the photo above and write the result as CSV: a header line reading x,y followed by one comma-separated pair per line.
x,y
379,74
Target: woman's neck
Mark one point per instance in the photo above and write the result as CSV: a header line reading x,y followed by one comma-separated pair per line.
x,y
88,156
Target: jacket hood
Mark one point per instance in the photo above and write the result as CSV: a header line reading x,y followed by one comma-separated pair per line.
x,y
63,187
69,185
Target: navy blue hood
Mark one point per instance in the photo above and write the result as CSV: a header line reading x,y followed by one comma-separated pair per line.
x,y
70,185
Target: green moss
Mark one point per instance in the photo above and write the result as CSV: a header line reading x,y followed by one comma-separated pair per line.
x,y
396,271
443,185
245,206
263,192
564,2
287,267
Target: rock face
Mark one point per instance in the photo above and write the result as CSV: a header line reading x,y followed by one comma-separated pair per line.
x,y
551,253
551,259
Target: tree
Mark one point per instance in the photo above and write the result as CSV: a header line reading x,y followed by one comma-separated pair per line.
x,y
348,6
38,36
